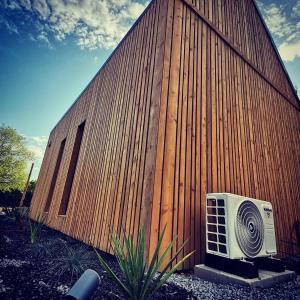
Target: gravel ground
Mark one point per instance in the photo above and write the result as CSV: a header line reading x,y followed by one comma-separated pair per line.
x,y
207,290
26,272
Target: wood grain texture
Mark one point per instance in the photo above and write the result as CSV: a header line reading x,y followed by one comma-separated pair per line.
x,y
193,100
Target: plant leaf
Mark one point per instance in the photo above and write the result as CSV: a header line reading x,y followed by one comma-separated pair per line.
x,y
112,274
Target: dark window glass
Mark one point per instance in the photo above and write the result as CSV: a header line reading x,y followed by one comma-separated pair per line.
x,y
212,246
221,220
212,237
222,229
220,202
221,211
222,239
222,249
211,210
212,228
211,219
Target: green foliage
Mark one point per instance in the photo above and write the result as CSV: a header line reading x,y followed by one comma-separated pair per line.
x,y
13,159
139,281
35,228
31,186
64,259
12,198
72,261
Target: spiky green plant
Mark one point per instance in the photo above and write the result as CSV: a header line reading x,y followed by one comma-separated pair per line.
x,y
141,281
23,212
35,227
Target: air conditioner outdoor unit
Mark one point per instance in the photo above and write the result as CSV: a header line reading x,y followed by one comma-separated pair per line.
x,y
239,227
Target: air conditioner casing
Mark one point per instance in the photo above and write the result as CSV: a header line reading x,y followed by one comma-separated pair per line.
x,y
248,230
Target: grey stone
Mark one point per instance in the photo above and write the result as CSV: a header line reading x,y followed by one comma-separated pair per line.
x,y
265,278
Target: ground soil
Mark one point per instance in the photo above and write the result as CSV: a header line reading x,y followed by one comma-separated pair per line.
x,y
27,273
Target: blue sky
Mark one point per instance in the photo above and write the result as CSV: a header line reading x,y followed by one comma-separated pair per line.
x,y
51,49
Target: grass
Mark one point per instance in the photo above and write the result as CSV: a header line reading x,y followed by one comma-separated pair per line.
x,y
35,228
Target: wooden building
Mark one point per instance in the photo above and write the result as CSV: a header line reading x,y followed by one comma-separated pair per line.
x,y
194,99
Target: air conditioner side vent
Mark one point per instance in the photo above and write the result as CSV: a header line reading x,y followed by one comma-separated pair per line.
x,y
216,227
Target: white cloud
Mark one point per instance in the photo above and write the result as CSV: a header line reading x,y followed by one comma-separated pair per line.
x,y
41,7
9,25
135,9
277,20
26,4
31,37
37,145
93,23
42,36
285,27
13,5
289,51
296,9
37,151
40,140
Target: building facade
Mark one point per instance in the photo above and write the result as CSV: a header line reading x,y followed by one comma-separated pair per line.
x,y
195,99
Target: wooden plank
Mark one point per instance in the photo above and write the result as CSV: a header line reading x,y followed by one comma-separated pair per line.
x,y
152,134
239,53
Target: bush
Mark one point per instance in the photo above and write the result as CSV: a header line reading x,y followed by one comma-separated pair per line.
x,y
10,198
45,249
16,214
139,281
72,261
13,197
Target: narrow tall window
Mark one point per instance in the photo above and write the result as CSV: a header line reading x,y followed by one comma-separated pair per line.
x,y
71,172
55,173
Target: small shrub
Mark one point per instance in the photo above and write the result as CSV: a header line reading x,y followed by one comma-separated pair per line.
x,y
35,228
39,250
11,213
45,249
16,214
139,281
72,261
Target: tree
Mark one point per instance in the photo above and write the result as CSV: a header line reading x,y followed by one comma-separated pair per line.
x,y
14,157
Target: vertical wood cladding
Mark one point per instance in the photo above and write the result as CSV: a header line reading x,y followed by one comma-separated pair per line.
x,y
115,168
193,100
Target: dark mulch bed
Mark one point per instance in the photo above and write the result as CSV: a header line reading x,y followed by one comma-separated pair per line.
x,y
27,271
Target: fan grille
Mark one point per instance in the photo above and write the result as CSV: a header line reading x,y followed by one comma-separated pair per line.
x,y
249,229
